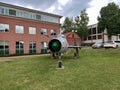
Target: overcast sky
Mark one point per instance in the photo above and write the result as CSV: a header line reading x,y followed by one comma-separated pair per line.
x,y
66,8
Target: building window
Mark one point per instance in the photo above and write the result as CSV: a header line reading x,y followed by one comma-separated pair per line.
x,y
94,37
4,48
19,29
1,10
38,17
4,11
43,31
33,16
19,14
32,47
12,12
49,19
29,15
4,28
43,47
53,32
89,37
19,47
32,30
94,30
118,36
99,36
99,31
90,32
26,15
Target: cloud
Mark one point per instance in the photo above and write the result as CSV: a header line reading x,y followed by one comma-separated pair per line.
x,y
36,4
51,9
66,8
93,11
73,8
95,7
60,8
70,8
63,2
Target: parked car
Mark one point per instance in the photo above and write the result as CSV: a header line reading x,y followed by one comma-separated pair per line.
x,y
97,45
118,43
111,44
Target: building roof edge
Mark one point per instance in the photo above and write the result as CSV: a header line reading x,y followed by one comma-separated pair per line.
x,y
27,9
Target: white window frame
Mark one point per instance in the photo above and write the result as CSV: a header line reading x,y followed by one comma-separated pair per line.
x,y
19,29
44,45
4,27
32,30
43,31
53,32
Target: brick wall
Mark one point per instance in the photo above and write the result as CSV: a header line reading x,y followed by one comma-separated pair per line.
x,y
12,36
73,37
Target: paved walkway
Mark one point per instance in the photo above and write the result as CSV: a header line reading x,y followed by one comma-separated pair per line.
x,y
24,56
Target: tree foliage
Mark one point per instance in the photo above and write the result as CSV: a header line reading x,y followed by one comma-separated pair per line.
x,y
81,23
109,19
68,24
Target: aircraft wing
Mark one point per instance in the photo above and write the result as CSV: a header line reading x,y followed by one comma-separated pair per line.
x,y
74,46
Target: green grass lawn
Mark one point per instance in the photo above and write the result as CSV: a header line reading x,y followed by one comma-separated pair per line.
x,y
95,69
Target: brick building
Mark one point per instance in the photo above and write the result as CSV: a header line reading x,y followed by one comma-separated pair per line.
x,y
23,30
73,38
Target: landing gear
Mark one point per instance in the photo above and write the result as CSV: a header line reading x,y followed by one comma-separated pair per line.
x,y
60,66
76,54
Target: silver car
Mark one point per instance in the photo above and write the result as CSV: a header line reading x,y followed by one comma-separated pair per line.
x,y
97,45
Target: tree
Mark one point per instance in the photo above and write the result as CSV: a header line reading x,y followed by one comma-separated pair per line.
x,y
81,23
68,24
108,19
